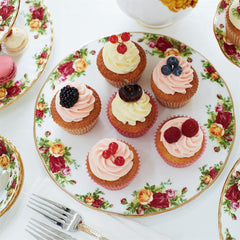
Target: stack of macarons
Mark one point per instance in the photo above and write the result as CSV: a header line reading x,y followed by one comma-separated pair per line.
x,y
8,69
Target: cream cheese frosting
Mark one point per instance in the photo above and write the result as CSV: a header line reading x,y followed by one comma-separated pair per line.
x,y
170,84
121,63
105,168
17,38
233,14
185,146
131,112
81,108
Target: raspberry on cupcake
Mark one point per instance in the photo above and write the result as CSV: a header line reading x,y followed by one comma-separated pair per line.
x,y
180,141
174,82
131,111
112,163
120,58
76,108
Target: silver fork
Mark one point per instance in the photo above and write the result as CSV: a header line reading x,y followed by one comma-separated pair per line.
x,y
42,231
62,216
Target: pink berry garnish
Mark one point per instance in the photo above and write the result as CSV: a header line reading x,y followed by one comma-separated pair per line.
x,y
125,36
238,9
119,161
121,48
112,148
172,134
106,154
113,38
190,127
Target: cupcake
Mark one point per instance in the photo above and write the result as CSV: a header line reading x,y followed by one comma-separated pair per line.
x,y
16,41
232,22
8,69
112,163
76,108
121,59
180,141
174,82
132,111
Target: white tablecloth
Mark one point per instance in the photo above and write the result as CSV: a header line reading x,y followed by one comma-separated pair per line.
x,y
80,21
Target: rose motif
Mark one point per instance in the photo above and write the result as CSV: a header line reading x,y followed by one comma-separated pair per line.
x,y
39,113
13,91
38,13
66,68
41,106
160,200
57,149
213,173
44,54
66,171
144,196
6,11
171,51
206,179
216,130
97,203
35,24
163,44
229,49
211,69
4,161
219,108
89,200
80,65
56,164
214,76
171,193
224,118
233,193
3,93
3,149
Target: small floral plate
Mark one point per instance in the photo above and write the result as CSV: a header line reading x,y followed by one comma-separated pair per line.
x,y
8,14
158,187
35,18
229,205
10,160
231,51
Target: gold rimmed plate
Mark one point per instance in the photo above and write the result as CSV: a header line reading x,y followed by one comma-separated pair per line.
x,y
35,18
158,187
231,51
10,160
8,14
229,205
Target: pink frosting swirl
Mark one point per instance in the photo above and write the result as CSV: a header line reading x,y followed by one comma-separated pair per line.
x,y
105,168
81,108
171,84
185,146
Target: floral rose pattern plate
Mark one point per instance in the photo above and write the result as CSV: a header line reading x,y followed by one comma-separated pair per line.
x,y
158,187
35,18
10,160
231,51
8,14
229,205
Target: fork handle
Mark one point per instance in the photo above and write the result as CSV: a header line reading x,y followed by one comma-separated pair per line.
x,y
91,231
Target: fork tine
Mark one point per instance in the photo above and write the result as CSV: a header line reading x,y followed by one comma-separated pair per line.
x,y
34,235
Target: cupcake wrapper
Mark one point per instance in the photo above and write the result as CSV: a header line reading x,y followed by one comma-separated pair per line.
x,y
172,105
82,130
137,134
118,84
180,165
120,185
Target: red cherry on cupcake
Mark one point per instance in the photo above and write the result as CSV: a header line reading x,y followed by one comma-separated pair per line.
x,y
112,147
172,134
190,128
125,36
113,38
119,161
121,48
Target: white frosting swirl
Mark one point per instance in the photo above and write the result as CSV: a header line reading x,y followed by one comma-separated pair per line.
x,y
235,20
121,63
131,112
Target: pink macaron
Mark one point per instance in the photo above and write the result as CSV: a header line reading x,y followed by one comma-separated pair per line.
x,y
8,69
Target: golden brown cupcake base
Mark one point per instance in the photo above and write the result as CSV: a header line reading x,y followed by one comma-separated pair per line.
x,y
80,127
124,180
176,100
140,128
117,80
232,33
